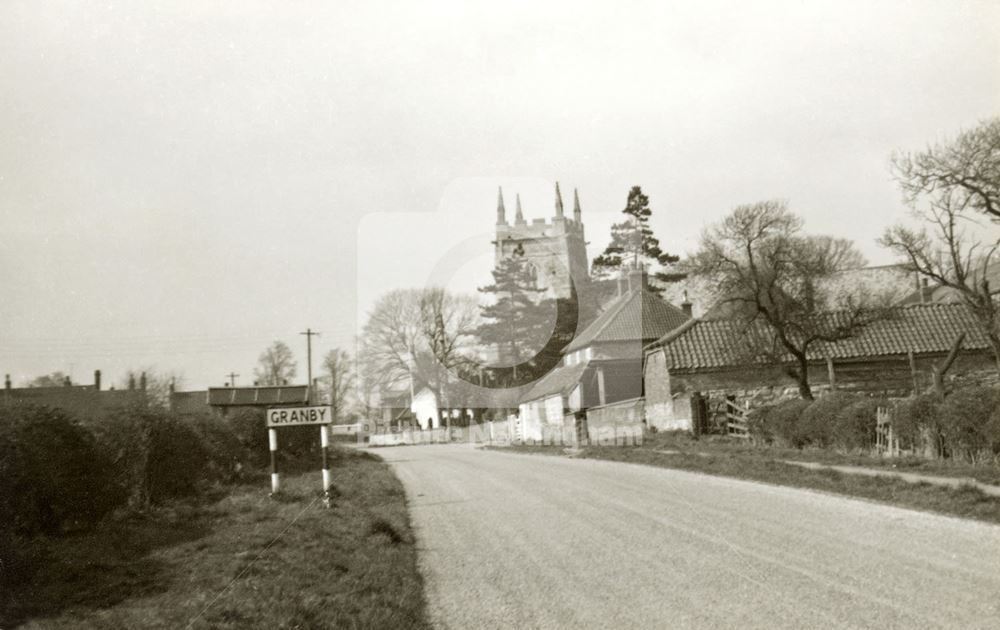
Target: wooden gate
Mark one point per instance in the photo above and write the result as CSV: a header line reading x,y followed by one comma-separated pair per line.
x,y
736,419
886,441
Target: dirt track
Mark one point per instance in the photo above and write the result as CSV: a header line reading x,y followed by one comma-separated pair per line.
x,y
529,541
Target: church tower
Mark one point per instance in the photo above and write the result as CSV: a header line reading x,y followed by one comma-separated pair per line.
x,y
555,251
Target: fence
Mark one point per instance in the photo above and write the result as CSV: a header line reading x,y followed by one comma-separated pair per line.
x,y
736,419
886,441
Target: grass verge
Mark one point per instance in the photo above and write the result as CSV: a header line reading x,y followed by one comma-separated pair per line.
x,y
964,501
240,560
984,473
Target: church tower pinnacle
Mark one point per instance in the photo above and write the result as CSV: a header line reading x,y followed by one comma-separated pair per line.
x,y
559,204
501,211
576,207
519,217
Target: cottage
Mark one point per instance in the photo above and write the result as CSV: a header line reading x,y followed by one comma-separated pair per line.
x,y
893,358
600,384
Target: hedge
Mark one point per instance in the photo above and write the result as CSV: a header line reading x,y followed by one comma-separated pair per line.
x,y
53,475
964,424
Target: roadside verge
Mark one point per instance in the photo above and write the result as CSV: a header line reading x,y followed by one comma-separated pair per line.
x,y
963,500
238,559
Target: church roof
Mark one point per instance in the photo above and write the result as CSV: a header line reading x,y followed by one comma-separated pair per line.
x,y
639,315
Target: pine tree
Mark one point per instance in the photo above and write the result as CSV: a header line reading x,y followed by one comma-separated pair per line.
x,y
519,320
633,244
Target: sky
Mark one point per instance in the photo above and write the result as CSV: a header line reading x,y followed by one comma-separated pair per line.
x,y
184,182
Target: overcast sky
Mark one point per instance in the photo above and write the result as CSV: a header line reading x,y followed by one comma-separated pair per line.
x,y
183,182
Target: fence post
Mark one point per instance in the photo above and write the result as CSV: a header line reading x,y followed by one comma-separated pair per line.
x,y
696,414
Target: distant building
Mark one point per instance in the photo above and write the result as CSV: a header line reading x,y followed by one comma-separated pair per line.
x,y
86,402
226,400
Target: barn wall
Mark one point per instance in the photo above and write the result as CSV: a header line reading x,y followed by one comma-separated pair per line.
x,y
668,392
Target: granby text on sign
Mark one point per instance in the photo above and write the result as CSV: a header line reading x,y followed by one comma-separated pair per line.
x,y
291,416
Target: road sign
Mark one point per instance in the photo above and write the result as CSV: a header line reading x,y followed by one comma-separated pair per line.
x,y
291,416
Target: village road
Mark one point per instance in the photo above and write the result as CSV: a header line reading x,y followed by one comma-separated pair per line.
x,y
529,541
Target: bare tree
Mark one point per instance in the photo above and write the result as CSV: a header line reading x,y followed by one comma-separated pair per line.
x,y
417,335
773,279
338,378
962,174
156,384
953,253
55,379
276,365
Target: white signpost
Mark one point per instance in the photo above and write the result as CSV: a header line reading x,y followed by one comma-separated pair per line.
x,y
297,416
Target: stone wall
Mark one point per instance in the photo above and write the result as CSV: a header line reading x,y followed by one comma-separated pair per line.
x,y
627,414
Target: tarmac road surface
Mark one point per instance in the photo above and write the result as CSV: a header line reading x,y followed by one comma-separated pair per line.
x,y
529,541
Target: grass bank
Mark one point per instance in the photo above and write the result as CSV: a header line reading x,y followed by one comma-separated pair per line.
x,y
728,458
682,441
238,559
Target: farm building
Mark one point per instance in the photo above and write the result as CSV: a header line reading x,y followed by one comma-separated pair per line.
x,y
893,358
227,400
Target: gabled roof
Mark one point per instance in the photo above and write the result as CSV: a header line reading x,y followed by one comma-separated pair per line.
x,y
561,380
921,329
639,315
240,396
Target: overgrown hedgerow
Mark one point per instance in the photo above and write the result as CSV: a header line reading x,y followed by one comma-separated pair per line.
x,y
53,476
969,423
856,422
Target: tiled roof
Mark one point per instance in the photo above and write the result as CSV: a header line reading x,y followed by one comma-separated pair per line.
x,y
561,380
921,329
639,315
288,394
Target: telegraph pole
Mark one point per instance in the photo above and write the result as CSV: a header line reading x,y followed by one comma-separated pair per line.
x,y
309,333
232,378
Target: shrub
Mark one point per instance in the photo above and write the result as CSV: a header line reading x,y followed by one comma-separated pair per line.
x,y
856,422
759,424
818,422
52,475
782,421
916,418
294,442
157,455
966,422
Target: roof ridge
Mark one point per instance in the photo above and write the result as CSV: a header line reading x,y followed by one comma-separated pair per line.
x,y
613,309
677,332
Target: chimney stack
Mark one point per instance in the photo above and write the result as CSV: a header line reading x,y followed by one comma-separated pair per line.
x,y
6,381
67,382
142,381
621,282
925,291
686,305
97,380
131,381
638,280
